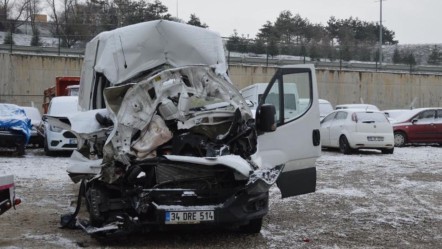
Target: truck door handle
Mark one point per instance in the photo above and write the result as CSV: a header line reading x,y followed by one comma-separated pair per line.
x,y
316,137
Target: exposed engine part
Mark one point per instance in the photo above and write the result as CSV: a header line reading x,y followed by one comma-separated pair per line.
x,y
206,116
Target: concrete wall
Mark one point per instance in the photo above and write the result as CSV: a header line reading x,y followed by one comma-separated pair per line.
x,y
24,77
385,90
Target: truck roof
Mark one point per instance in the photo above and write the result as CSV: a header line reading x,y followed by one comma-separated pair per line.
x,y
124,53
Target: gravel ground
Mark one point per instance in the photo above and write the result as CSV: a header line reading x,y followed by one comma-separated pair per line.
x,y
365,200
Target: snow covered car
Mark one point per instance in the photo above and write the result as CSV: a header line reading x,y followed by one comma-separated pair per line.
x,y
421,125
35,116
15,128
56,138
358,106
325,108
7,193
166,140
353,129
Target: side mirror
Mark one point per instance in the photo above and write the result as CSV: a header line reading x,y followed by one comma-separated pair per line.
x,y
265,118
413,121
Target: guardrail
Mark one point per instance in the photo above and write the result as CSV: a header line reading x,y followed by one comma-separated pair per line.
x,y
337,65
58,51
247,60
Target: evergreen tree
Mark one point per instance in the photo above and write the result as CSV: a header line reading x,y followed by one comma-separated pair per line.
x,y
314,52
233,42
397,58
435,57
9,39
259,46
195,21
410,60
35,41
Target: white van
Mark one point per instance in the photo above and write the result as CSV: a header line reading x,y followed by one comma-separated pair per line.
x,y
325,108
178,143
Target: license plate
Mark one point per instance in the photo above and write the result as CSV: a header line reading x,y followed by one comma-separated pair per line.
x,y
375,138
188,217
72,141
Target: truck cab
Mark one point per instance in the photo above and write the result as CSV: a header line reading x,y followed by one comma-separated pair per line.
x,y
173,131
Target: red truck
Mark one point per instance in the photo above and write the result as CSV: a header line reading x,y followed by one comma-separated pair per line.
x,y
64,86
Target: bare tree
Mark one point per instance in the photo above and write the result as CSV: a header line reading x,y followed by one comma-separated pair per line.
x,y
12,17
33,8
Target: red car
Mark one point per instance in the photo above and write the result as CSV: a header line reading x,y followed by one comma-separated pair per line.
x,y
422,125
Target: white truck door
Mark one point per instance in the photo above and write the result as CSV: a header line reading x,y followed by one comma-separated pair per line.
x,y
87,75
296,141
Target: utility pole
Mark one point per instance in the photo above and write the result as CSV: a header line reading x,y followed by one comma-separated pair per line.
x,y
380,35
177,9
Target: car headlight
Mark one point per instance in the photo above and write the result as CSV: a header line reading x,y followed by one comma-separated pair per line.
x,y
55,128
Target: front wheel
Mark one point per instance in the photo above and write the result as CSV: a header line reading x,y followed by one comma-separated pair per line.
x,y
46,148
344,146
399,139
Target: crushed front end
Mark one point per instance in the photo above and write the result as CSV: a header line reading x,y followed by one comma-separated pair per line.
x,y
174,148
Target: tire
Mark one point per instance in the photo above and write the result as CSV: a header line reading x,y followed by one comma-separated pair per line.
x,y
95,195
46,148
399,139
253,227
21,150
344,146
387,151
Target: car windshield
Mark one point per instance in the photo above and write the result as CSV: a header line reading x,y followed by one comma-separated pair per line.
x,y
371,117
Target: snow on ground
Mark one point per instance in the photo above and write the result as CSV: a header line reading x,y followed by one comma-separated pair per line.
x,y
364,200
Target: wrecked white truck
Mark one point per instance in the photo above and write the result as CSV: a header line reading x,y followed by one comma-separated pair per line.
x,y
165,139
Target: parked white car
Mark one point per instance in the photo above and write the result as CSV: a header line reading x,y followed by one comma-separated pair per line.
x,y
353,129
367,107
57,138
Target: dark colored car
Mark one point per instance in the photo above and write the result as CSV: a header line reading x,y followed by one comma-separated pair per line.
x,y
422,125
15,128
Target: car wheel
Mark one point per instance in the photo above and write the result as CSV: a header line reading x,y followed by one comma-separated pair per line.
x,y
21,150
253,227
344,146
387,151
46,148
399,139
96,195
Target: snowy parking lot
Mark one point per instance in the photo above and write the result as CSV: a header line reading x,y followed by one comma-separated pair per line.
x,y
367,200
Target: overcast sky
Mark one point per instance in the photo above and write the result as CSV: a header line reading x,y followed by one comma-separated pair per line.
x,y
413,21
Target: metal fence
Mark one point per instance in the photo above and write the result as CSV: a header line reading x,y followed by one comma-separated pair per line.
x,y
249,59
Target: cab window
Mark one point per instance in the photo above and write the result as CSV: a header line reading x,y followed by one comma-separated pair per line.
x,y
290,93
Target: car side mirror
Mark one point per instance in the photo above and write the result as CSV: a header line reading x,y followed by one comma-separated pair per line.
x,y
265,118
413,121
